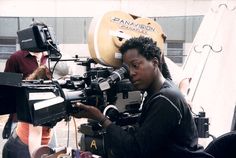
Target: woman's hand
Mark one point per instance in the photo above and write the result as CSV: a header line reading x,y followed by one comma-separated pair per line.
x,y
91,112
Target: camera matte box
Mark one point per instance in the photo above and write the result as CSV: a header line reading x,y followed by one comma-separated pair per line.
x,y
9,83
40,105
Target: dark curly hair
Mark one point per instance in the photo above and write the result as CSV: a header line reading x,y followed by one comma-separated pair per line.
x,y
148,49
145,46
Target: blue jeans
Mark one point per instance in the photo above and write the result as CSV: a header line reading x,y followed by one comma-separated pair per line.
x,y
15,148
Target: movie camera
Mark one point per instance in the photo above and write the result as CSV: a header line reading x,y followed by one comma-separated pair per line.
x,y
45,102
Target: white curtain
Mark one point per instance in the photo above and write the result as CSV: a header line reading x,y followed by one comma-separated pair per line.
x,y
212,65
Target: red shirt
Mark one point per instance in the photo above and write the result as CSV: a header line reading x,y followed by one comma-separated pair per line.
x,y
23,62
22,130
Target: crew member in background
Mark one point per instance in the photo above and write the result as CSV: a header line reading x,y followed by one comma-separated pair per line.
x,y
26,137
24,63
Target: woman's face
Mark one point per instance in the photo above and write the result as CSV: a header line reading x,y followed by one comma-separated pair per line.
x,y
141,70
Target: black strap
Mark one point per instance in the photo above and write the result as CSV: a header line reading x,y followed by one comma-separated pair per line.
x,y
7,128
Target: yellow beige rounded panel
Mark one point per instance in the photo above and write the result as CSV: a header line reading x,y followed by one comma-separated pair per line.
x,y
109,32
